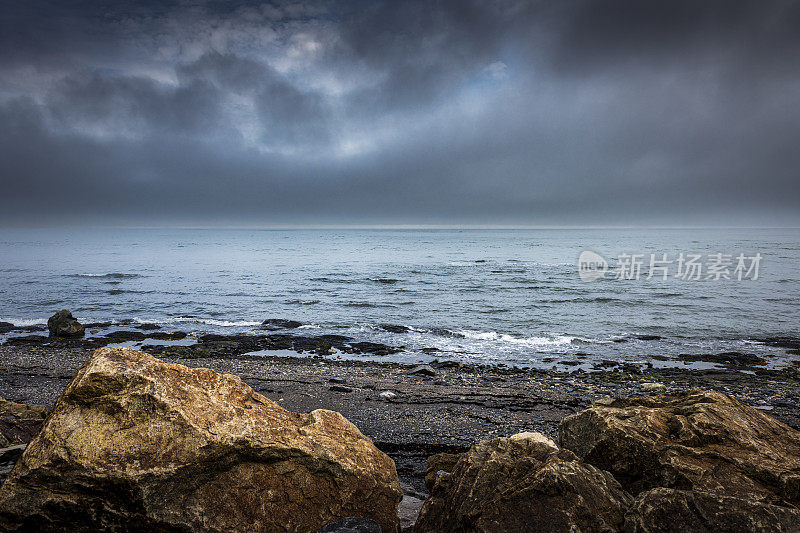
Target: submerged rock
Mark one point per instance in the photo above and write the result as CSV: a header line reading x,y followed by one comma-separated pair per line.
x,y
62,324
135,443
522,483
694,440
669,510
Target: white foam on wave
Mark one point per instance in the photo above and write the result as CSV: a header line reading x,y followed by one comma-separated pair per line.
x,y
535,342
23,322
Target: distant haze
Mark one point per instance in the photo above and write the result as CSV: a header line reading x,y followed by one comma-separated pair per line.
x,y
359,113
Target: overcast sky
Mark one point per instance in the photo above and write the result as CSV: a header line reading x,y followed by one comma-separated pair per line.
x,y
475,113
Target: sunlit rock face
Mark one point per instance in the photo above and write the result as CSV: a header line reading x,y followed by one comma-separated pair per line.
x,y
522,483
135,443
696,440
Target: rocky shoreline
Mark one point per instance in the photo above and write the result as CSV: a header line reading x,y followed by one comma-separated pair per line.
x,y
411,412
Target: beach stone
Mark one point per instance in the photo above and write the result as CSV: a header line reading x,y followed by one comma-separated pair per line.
x,y
62,324
135,443
408,511
19,423
652,387
387,395
523,483
693,440
668,511
423,370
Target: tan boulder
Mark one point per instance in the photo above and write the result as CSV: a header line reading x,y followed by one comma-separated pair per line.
x,y
675,511
522,483
135,443
695,440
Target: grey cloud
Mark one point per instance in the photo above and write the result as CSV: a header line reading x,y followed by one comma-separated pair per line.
x,y
605,112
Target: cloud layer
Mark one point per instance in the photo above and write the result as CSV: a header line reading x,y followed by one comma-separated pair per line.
x,y
464,112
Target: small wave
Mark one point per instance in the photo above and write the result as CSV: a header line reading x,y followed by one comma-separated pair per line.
x,y
301,302
211,321
388,281
557,340
112,275
366,304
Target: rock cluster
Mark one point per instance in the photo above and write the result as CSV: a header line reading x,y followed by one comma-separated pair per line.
x,y
139,444
694,461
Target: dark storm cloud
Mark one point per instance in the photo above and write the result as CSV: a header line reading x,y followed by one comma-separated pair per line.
x,y
482,112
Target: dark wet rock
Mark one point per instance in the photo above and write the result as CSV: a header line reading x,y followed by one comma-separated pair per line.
x,y
148,326
280,323
163,336
423,370
374,348
392,328
340,388
725,358
98,325
233,345
699,440
352,524
125,336
520,483
669,511
23,340
128,336
136,444
792,343
5,327
62,324
338,381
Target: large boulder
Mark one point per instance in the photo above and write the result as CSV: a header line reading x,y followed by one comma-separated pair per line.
x,y
19,422
62,324
522,483
673,511
137,444
695,440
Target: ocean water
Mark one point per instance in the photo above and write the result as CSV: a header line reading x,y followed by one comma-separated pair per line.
x,y
511,296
